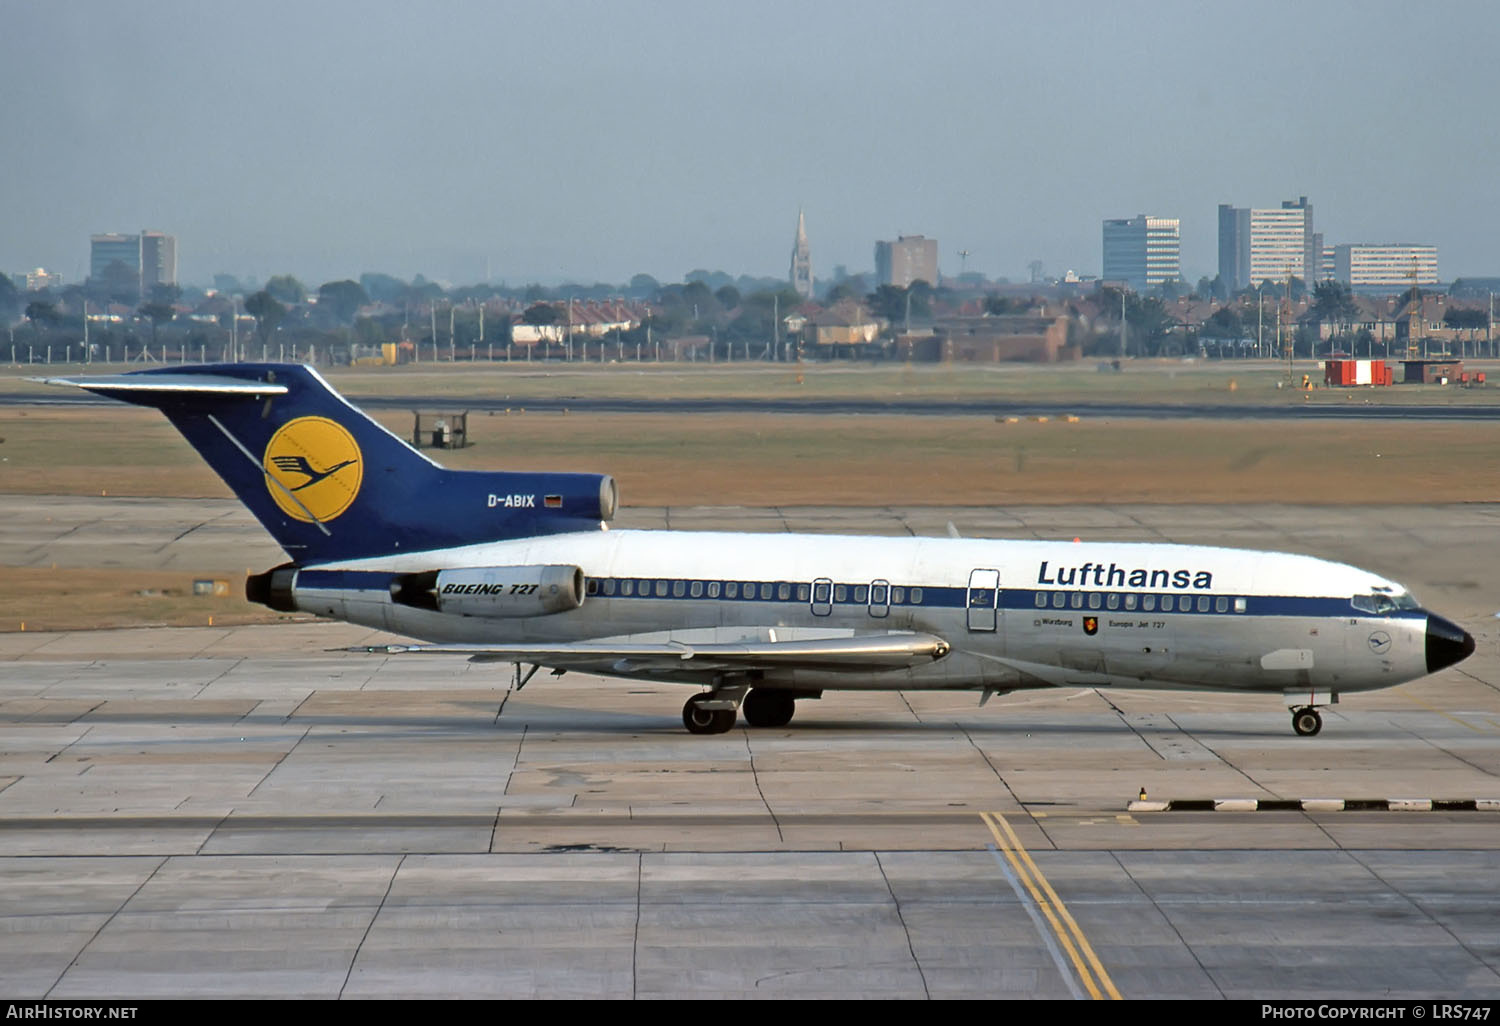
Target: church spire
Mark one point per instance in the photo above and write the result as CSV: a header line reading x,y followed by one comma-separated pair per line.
x,y
801,274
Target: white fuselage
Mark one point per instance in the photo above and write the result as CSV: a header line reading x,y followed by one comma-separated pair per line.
x,y
1016,613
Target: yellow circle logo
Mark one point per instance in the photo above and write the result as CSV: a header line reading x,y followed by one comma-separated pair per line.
x,y
314,468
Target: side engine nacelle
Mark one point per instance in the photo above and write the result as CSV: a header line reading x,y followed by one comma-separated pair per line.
x,y
493,591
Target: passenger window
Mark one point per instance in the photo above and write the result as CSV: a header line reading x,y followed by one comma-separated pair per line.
x,y
879,594
783,591
627,587
1239,605
1202,603
679,589
840,592
1076,600
732,589
861,594
821,591
661,589
593,587
696,589
916,596
1041,600
1130,601
1095,600
898,595
1114,601
713,589
609,586
1058,598
644,587
801,593
1221,604
1148,602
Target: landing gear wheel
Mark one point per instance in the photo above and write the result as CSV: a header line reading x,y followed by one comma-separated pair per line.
x,y
766,707
1306,722
699,720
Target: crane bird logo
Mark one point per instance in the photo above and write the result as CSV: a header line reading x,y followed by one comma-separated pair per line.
x,y
313,468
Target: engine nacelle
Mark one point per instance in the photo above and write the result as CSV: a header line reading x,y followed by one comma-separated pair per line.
x,y
276,588
493,591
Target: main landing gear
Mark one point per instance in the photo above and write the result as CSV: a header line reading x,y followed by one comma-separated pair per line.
x,y
708,714
1306,721
714,712
765,707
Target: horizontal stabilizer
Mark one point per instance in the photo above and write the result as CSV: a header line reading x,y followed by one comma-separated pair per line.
x,y
169,384
864,652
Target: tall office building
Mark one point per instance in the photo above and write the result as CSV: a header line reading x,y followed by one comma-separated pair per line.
x,y
1234,246
1389,266
107,250
1312,243
1278,245
1257,245
910,258
158,260
147,260
802,273
1143,251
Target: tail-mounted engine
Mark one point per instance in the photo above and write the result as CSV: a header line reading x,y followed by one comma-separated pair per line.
x,y
276,588
493,591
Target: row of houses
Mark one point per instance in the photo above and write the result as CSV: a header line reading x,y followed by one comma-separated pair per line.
x,y
1438,319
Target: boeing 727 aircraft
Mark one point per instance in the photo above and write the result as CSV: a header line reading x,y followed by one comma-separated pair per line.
x,y
522,568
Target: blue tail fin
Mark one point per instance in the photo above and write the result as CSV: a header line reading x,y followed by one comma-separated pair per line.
x,y
329,483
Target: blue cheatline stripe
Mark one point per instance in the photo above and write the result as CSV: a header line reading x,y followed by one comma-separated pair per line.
x,y
1016,600
347,580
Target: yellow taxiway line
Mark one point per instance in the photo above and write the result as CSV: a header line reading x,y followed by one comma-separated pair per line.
x,y
1085,962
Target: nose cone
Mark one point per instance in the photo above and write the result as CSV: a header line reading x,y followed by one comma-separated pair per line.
x,y
1447,643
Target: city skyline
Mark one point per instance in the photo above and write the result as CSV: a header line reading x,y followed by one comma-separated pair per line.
x,y
332,139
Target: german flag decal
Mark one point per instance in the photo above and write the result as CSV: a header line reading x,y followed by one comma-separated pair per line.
x,y
1091,625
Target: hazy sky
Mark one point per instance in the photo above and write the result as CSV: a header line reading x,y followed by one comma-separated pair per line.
x,y
588,141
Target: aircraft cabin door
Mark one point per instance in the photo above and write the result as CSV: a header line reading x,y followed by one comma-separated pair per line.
x,y
983,599
822,596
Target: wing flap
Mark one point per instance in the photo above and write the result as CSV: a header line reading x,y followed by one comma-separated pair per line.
x,y
864,652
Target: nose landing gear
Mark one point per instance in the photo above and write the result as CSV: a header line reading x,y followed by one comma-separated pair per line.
x,y
1304,702
1306,721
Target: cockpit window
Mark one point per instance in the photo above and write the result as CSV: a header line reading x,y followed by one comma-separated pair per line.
x,y
1379,602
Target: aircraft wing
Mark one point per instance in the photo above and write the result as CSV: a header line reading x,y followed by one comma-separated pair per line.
x,y
860,653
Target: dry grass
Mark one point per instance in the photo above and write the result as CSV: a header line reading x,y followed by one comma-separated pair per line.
x,y
759,460
41,599
772,460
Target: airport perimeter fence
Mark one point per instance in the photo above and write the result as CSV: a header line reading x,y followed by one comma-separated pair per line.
x,y
345,354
